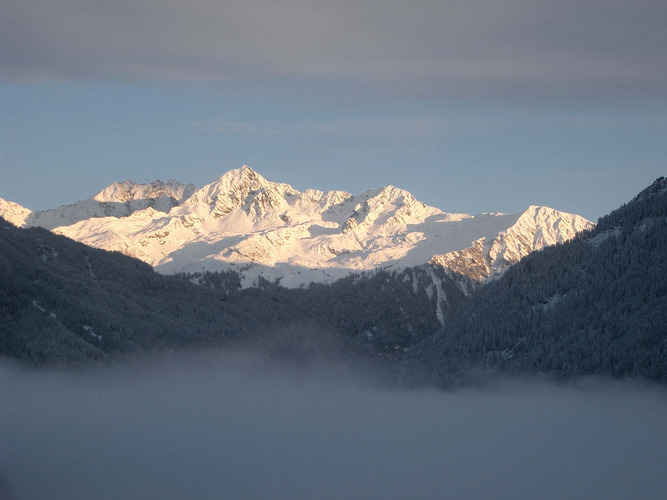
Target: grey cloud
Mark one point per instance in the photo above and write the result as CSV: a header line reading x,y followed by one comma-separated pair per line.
x,y
452,48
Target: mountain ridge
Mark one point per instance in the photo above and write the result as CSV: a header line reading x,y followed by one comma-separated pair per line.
x,y
243,222
119,199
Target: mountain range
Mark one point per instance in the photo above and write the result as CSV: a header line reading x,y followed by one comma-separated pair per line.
x,y
593,305
245,223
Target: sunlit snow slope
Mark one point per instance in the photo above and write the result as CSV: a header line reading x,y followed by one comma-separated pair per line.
x,y
120,199
260,228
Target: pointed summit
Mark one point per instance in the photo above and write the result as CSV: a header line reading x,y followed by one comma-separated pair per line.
x,y
391,195
240,179
242,187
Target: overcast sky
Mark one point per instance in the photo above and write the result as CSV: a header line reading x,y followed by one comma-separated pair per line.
x,y
475,105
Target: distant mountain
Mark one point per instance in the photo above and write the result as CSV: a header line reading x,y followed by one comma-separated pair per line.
x,y
596,305
258,228
14,213
120,199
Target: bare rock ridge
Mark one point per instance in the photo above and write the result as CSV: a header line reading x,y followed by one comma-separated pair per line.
x,y
246,223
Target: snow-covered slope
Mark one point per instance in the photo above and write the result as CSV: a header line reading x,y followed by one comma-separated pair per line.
x,y
488,257
244,222
120,199
14,213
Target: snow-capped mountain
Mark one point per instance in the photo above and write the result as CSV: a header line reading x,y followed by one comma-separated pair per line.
x,y
534,229
14,213
120,199
260,228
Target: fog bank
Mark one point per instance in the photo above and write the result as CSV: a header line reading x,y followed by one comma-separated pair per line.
x,y
240,426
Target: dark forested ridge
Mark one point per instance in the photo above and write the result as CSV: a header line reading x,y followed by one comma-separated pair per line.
x,y
387,311
594,306
61,301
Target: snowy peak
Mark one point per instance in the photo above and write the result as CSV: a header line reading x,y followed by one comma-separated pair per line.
x,y
242,188
548,226
490,256
123,192
536,228
240,181
388,194
120,199
386,210
239,178
14,213
392,198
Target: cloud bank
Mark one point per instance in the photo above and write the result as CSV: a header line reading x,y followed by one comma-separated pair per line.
x,y
518,49
237,426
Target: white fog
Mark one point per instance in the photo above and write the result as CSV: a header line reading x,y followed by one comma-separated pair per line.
x,y
241,426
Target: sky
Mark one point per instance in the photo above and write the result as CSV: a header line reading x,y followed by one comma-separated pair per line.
x,y
472,105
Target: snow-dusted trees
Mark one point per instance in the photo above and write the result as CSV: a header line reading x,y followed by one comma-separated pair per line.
x,y
596,305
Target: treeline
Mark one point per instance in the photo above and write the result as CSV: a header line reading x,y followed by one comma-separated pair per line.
x,y
389,311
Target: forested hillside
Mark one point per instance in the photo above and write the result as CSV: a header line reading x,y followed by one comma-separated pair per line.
x,y
386,311
61,301
593,306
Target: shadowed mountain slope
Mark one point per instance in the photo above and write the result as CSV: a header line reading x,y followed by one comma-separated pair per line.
x,y
596,305
62,301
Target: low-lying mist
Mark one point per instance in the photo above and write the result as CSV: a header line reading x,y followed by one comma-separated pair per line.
x,y
240,425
